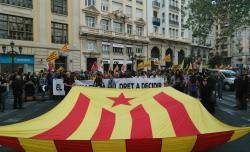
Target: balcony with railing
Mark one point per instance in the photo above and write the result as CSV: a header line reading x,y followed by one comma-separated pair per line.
x,y
173,22
156,35
85,30
156,4
174,8
156,21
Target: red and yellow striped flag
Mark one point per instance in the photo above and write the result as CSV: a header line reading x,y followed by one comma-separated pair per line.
x,y
144,120
65,48
52,56
167,58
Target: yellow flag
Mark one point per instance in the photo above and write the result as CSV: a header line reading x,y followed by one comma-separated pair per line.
x,y
52,56
65,48
140,65
167,58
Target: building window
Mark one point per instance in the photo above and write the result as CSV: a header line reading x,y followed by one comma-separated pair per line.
x,y
105,49
20,3
89,2
129,11
139,50
105,5
139,30
59,7
129,50
90,21
105,24
139,2
91,46
129,29
182,33
16,27
163,31
170,32
139,13
59,33
117,50
163,17
118,27
117,6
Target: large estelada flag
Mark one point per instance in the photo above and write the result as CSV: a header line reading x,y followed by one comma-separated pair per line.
x,y
113,120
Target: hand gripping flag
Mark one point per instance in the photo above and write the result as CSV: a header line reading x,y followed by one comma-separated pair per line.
x,y
113,120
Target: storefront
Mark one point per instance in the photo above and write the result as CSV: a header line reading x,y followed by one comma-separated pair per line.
x,y
25,62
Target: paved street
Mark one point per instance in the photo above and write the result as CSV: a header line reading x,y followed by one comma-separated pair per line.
x,y
225,112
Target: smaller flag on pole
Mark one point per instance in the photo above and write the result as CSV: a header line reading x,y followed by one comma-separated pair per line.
x,y
124,68
141,66
101,68
52,56
94,67
167,58
65,48
116,68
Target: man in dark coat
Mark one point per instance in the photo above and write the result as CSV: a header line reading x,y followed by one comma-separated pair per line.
x,y
205,95
237,90
244,91
17,86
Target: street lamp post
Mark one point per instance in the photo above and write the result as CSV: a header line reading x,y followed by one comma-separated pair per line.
x,y
12,53
132,57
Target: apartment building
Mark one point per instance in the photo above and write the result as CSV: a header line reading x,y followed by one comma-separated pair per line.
x,y
34,28
241,47
113,32
235,49
202,48
167,34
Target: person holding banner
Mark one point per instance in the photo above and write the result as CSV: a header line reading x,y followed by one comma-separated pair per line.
x,y
68,82
43,83
111,82
98,81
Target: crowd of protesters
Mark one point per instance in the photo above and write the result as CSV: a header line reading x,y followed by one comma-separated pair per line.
x,y
205,85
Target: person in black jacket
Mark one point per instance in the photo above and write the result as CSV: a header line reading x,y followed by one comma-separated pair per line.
x,y
244,91
205,95
237,90
98,81
3,92
17,86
